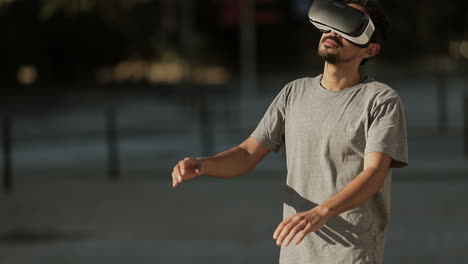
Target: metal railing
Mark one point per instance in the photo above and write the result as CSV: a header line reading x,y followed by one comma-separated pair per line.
x,y
112,139
202,95
6,140
465,124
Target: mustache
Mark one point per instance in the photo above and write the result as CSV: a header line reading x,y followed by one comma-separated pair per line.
x,y
338,41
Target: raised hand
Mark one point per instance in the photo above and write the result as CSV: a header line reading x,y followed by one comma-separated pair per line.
x,y
186,169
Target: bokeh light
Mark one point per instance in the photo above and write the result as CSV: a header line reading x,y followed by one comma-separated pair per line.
x,y
27,74
464,49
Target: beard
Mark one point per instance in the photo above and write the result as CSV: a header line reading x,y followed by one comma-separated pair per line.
x,y
329,57
332,58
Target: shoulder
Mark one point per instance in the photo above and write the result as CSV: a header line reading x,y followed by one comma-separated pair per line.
x,y
305,82
298,89
379,92
299,86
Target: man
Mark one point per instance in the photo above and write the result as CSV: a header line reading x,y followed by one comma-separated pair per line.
x,y
343,133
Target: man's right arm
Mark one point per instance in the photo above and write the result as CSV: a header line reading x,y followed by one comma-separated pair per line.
x,y
230,163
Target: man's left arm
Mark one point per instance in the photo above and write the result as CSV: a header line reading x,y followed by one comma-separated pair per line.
x,y
359,190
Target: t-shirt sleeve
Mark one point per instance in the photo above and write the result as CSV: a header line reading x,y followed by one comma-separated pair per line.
x,y
270,130
387,131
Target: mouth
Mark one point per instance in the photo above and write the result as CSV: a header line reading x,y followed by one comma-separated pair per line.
x,y
332,42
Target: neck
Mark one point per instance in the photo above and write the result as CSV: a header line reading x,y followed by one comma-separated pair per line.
x,y
339,76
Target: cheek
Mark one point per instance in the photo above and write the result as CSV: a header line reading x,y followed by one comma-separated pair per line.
x,y
363,53
354,49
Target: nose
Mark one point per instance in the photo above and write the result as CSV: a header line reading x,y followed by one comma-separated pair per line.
x,y
333,33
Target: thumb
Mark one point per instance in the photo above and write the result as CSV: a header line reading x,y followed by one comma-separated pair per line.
x,y
198,168
184,163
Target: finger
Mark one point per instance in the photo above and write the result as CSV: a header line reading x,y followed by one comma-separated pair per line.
x,y
174,181
182,168
300,226
182,165
280,228
185,165
285,232
303,233
176,173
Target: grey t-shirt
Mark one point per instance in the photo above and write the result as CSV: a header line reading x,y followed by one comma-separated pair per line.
x,y
327,134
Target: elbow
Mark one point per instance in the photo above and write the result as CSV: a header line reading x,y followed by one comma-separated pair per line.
x,y
249,159
381,175
377,176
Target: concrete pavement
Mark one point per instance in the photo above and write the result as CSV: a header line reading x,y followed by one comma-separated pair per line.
x,y
144,220
63,209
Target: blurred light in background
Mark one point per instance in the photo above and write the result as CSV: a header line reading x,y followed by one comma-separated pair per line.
x,y
27,74
170,72
158,72
454,49
210,75
459,49
464,49
132,70
6,2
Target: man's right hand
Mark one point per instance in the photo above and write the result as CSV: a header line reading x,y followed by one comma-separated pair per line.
x,y
185,170
230,163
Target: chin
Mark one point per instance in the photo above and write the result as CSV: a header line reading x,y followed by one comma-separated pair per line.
x,y
326,53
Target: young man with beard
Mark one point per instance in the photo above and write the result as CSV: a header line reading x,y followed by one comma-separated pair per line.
x,y
343,133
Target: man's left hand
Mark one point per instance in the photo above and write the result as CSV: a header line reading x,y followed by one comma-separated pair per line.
x,y
300,224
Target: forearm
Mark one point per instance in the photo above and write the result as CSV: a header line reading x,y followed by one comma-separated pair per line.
x,y
230,163
359,190
362,188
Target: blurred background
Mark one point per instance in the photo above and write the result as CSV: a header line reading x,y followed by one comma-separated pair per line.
x,y
100,99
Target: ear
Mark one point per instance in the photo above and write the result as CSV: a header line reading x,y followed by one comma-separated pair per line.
x,y
371,51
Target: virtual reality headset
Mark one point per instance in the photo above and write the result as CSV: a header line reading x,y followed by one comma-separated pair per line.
x,y
350,23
